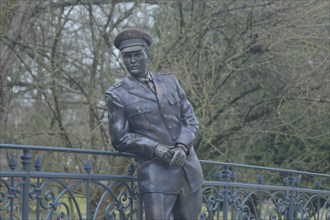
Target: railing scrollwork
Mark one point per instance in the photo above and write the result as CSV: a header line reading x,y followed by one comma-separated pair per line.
x,y
233,191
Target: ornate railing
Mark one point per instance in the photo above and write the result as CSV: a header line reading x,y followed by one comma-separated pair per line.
x,y
231,191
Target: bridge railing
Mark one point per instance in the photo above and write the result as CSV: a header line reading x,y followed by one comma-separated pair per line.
x,y
230,191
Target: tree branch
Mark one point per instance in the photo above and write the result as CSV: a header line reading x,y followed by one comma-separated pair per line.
x,y
69,3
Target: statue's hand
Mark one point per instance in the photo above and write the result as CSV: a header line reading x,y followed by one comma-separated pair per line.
x,y
179,156
164,152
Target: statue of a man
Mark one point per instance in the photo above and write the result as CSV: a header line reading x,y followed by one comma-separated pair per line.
x,y
150,117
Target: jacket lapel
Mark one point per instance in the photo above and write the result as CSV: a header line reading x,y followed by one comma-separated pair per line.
x,y
159,85
137,89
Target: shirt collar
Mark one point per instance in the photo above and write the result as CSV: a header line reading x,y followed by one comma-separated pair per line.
x,y
148,76
143,79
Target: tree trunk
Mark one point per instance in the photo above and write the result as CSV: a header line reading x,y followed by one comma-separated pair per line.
x,y
9,43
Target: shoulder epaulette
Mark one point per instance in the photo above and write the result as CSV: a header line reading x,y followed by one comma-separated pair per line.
x,y
116,85
120,83
161,73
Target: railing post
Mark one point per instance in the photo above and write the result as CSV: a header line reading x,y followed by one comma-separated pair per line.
x,y
260,180
26,161
226,174
88,169
292,181
131,170
291,206
218,176
319,187
11,196
37,166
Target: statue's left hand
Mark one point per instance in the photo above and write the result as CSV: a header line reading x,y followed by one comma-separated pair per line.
x,y
179,156
164,152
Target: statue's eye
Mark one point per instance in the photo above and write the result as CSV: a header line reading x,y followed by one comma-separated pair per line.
x,y
138,55
126,56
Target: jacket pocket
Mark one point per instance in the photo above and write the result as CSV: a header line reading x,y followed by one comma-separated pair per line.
x,y
174,101
173,98
137,118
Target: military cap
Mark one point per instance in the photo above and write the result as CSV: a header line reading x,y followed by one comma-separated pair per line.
x,y
132,40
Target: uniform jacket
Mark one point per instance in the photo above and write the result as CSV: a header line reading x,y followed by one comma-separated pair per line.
x,y
139,120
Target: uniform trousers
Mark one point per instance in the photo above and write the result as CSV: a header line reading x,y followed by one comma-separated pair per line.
x,y
185,205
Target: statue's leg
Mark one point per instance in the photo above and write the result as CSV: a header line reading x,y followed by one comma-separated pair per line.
x,y
188,204
158,205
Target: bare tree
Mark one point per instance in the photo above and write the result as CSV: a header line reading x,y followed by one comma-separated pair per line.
x,y
15,19
256,72
250,68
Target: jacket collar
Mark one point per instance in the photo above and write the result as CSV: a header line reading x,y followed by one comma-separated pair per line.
x,y
159,85
136,88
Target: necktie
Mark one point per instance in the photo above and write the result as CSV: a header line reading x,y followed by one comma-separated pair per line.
x,y
149,84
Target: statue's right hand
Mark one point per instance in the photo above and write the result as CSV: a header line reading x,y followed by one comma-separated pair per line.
x,y
164,152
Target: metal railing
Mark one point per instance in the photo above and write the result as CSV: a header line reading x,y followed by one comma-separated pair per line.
x,y
231,191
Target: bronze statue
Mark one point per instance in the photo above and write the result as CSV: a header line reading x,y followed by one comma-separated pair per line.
x,y
150,117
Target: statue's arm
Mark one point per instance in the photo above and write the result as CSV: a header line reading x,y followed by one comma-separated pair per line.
x,y
122,139
190,123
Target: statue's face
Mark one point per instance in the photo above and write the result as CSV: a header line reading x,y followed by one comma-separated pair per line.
x,y
136,63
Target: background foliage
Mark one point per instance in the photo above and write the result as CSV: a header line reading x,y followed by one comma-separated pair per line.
x,y
256,72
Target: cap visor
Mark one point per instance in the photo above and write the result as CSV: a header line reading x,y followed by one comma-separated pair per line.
x,y
131,49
